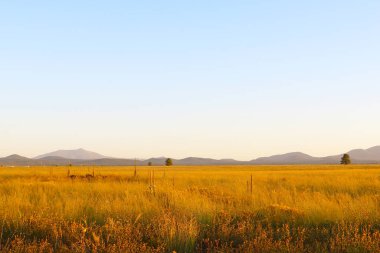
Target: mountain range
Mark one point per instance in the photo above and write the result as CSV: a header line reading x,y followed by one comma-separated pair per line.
x,y
84,157
76,154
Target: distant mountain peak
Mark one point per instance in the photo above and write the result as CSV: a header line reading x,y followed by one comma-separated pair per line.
x,y
16,157
374,149
77,154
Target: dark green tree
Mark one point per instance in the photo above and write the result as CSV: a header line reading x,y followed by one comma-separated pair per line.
x,y
345,159
169,162
149,163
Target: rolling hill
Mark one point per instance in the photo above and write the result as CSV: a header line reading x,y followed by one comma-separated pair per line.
x,y
84,157
78,154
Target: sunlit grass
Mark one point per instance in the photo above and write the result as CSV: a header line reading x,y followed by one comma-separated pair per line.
x,y
292,208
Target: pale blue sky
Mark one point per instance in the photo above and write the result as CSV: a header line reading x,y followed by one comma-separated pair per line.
x,y
221,79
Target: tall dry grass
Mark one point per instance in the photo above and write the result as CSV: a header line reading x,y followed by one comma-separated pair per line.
x,y
192,209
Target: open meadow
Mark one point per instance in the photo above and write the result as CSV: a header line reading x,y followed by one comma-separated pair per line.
x,y
309,208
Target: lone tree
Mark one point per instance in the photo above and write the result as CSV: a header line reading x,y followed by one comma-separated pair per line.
x,y
169,162
149,163
345,159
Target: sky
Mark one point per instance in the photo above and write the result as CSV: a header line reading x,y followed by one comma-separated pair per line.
x,y
219,79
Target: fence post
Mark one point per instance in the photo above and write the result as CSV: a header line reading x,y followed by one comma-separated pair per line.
x,y
251,184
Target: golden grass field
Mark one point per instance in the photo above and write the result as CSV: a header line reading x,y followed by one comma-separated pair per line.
x,y
313,208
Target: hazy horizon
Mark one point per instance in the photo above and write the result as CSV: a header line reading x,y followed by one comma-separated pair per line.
x,y
209,79
183,157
